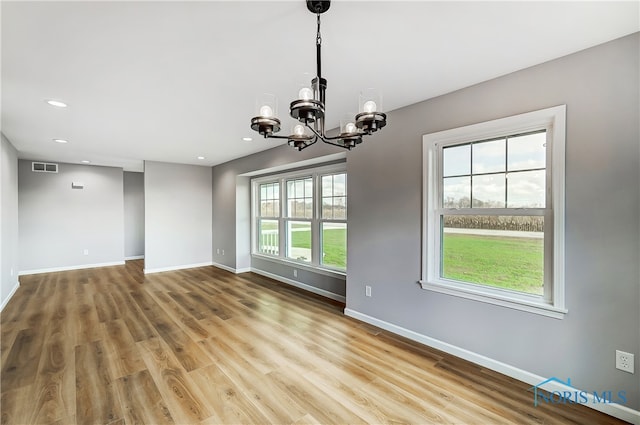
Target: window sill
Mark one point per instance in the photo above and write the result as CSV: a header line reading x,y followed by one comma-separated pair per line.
x,y
302,266
497,297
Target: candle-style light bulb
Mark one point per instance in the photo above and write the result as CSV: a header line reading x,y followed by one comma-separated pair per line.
x,y
305,93
266,111
298,130
350,128
369,106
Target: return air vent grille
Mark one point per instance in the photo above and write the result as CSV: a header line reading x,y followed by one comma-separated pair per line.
x,y
44,167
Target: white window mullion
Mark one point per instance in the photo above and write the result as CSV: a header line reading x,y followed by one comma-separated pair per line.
x,y
255,238
282,223
316,237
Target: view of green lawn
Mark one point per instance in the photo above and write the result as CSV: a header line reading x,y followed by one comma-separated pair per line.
x,y
335,246
514,263
505,262
334,240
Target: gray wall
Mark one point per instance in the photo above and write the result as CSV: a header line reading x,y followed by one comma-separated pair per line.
x,y
133,214
8,220
177,216
600,87
57,223
601,90
231,211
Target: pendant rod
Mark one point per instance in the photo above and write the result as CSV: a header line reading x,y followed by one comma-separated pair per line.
x,y
318,52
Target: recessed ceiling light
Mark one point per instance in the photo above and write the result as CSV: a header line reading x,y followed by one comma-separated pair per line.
x,y
60,141
85,161
56,103
201,157
247,139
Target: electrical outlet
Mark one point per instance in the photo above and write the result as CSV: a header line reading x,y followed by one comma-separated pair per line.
x,y
85,252
218,251
223,252
295,272
624,361
367,290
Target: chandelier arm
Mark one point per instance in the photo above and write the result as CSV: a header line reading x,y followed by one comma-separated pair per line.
x,y
338,137
315,139
274,136
328,142
318,135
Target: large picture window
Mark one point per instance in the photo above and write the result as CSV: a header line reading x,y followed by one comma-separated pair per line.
x,y
494,212
302,217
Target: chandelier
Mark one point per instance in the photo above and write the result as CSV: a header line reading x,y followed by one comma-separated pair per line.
x,y
309,108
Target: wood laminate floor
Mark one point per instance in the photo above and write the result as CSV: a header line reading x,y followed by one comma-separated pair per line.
x,y
204,346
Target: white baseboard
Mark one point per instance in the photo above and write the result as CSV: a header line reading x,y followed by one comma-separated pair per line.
x,y
291,282
134,257
231,269
180,267
301,285
67,268
617,410
11,294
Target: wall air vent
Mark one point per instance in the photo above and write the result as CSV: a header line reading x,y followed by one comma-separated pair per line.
x,y
44,167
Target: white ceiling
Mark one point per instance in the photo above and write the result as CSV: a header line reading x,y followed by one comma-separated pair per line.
x,y
171,81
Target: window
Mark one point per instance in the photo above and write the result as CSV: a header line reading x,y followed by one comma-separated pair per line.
x,y
494,212
310,207
268,214
333,221
299,218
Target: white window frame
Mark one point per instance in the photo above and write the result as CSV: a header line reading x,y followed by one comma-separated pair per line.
x,y
258,207
287,219
552,303
322,221
282,257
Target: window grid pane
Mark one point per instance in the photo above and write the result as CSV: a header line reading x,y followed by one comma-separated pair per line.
x,y
527,152
300,198
456,192
334,199
488,191
456,160
488,157
526,189
508,172
269,200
